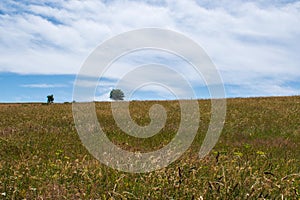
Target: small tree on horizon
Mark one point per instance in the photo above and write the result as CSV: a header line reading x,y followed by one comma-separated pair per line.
x,y
50,99
116,94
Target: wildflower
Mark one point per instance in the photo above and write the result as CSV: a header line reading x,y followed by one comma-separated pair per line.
x,y
261,153
239,154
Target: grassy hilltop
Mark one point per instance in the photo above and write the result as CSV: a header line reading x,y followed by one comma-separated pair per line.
x,y
257,155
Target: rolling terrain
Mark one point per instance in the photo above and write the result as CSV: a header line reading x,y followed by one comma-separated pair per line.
x,y
257,155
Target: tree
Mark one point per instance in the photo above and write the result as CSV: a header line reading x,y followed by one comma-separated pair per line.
x,y
116,94
50,99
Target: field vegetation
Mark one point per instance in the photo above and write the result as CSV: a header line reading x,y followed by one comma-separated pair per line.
x,y
256,157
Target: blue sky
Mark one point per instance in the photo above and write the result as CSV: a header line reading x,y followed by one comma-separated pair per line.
x,y
255,45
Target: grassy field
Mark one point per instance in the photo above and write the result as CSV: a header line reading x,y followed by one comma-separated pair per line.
x,y
256,157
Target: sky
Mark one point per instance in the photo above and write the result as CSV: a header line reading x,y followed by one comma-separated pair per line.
x,y
254,45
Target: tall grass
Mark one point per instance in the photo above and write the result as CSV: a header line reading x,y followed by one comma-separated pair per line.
x,y
257,156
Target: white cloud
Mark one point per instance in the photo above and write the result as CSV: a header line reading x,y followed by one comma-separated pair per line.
x,y
104,96
43,85
248,41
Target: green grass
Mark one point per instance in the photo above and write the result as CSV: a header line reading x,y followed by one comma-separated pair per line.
x,y
256,157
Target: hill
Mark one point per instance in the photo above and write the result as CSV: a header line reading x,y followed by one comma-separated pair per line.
x,y
257,155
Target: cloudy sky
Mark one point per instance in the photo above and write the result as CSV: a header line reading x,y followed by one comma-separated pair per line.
x,y
255,45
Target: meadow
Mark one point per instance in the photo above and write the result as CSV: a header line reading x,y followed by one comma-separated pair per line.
x,y
257,155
